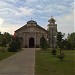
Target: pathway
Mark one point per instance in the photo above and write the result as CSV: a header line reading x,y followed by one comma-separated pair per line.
x,y
22,63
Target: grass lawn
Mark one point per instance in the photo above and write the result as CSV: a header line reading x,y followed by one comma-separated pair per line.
x,y
46,64
5,54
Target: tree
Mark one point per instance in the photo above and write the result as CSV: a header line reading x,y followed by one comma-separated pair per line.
x,y
7,37
60,44
71,39
14,45
59,39
1,36
3,42
43,43
66,44
0,32
61,55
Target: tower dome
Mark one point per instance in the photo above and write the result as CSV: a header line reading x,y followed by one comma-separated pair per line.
x,y
52,20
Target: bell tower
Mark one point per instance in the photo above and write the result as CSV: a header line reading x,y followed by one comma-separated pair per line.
x,y
52,32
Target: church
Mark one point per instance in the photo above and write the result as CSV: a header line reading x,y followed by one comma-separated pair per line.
x,y
31,33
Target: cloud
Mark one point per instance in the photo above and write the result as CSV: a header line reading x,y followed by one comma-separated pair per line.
x,y
1,21
31,1
55,9
14,13
24,11
11,1
4,4
10,28
74,16
6,10
66,23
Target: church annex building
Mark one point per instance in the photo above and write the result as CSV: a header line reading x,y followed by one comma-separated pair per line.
x,y
31,33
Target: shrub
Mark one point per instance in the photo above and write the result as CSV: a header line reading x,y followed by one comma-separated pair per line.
x,y
53,52
2,49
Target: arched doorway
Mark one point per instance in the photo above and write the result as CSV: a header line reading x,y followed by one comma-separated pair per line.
x,y
31,42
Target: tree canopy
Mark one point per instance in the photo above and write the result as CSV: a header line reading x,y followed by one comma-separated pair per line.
x,y
59,39
5,38
71,39
67,43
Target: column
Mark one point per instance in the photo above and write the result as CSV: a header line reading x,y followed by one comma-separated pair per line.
x,y
35,40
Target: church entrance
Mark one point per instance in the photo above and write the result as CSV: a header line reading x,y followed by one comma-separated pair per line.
x,y
31,42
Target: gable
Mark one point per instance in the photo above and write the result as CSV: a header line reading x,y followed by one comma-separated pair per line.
x,y
31,28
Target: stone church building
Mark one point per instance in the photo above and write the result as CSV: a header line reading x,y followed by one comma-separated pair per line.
x,y
31,33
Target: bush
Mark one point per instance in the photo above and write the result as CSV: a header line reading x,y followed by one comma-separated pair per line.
x,y
53,52
2,49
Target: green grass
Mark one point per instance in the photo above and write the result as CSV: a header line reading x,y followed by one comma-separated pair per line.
x,y
5,54
46,64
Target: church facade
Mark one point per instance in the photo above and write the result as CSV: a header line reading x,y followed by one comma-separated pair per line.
x,y
31,33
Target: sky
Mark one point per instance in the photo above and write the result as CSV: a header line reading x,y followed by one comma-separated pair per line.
x,y
15,13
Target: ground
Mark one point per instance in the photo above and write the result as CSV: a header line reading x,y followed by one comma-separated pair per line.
x,y
46,64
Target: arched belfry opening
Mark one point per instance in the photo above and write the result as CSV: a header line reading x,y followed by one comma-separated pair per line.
x,y
31,42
